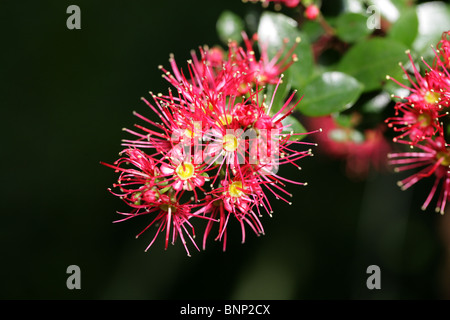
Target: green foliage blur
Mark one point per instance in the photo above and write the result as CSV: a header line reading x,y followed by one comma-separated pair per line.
x,y
66,95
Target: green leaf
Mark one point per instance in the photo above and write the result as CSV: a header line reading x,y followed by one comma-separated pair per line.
x,y
164,190
229,26
273,29
313,29
351,27
330,92
377,103
371,60
293,125
434,18
303,69
405,29
447,129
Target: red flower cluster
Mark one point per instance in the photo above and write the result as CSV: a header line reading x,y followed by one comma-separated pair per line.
x,y
287,3
361,151
444,49
215,151
420,120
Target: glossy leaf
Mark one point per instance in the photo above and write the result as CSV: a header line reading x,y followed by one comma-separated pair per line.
x,y
377,103
434,18
353,6
229,26
351,27
405,30
370,61
330,92
302,70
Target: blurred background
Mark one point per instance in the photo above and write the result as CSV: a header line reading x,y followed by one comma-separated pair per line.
x,y
65,96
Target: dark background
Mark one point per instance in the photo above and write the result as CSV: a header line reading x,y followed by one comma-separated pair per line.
x,y
66,94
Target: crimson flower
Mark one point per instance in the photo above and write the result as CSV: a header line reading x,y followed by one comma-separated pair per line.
x,y
144,189
416,124
434,160
443,47
360,150
215,150
264,70
420,118
428,91
278,3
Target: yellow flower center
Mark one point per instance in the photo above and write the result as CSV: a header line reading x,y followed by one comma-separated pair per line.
x,y
262,78
424,119
235,189
230,143
166,207
226,119
193,130
446,158
185,170
188,133
432,97
243,87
